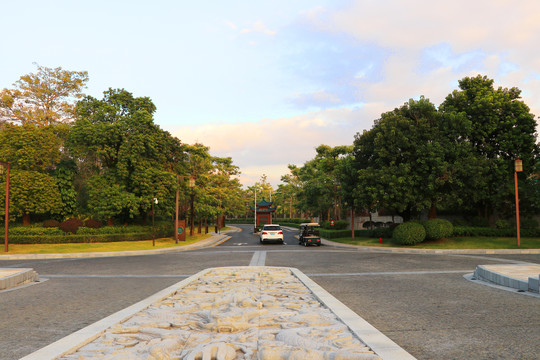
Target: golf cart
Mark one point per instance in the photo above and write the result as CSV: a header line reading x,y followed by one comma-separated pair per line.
x,y
309,234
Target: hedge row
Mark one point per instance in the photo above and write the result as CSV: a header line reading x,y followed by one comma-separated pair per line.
x,y
63,239
274,220
493,232
375,233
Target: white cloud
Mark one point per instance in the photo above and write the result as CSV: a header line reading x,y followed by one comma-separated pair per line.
x,y
269,145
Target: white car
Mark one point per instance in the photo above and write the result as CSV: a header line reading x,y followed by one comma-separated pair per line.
x,y
271,232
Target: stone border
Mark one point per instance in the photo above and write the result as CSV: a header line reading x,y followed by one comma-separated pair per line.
x,y
382,345
20,276
483,273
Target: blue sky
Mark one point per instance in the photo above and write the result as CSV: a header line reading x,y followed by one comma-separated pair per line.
x,y
265,82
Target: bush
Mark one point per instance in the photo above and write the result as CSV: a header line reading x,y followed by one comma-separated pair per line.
x,y
51,223
71,225
438,229
460,222
409,233
529,223
338,225
479,221
502,224
93,224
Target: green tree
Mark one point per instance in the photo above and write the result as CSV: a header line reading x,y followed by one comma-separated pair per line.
x,y
117,141
44,98
33,153
501,130
407,163
31,192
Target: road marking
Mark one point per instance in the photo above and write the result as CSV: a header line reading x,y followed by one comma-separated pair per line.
x,y
110,276
258,259
239,244
427,272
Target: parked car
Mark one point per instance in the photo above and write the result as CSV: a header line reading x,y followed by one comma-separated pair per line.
x,y
271,233
309,234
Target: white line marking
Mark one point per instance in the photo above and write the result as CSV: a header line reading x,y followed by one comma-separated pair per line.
x,y
258,259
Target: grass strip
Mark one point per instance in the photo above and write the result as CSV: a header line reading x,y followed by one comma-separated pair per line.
x,y
476,242
100,247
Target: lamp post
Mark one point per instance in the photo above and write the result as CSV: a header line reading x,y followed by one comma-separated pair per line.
x,y
5,165
518,167
255,207
154,200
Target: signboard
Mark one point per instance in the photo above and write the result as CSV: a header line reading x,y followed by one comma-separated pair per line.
x,y
181,230
332,222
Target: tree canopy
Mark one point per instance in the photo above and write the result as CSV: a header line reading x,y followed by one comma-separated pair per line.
x,y
44,98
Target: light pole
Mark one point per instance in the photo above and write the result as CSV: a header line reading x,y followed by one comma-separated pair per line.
x,y
255,207
6,224
154,200
518,167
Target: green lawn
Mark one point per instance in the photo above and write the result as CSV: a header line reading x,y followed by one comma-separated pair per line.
x,y
479,242
99,247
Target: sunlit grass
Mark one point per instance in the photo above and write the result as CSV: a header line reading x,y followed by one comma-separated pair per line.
x,y
477,242
100,247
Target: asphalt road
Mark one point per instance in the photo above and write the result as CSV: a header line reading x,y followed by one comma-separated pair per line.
x,y
421,301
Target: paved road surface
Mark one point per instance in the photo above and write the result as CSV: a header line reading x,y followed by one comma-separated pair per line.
x,y
421,301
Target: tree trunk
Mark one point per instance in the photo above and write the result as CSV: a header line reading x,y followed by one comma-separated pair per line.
x,y
432,212
26,219
110,221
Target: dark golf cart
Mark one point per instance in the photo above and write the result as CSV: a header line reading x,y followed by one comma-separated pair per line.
x,y
309,234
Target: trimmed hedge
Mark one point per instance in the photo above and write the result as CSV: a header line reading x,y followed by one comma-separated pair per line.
x,y
375,233
41,235
338,225
409,233
494,232
78,238
438,229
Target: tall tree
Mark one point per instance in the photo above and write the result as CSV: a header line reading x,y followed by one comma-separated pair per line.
x,y
117,138
406,162
33,153
502,129
43,98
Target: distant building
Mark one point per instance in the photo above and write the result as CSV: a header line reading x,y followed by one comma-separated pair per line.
x,y
264,212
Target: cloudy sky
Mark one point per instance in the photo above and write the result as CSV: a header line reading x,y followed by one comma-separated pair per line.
x,y
265,82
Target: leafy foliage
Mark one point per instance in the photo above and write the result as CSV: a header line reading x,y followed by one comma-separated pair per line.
x,y
44,98
409,233
438,229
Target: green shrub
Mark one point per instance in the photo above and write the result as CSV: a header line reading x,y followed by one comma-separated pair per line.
x,y
529,223
460,222
479,221
438,229
381,233
338,225
409,233
502,224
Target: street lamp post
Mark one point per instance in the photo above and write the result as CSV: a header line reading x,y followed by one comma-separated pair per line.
x,y
6,224
518,167
154,200
255,207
